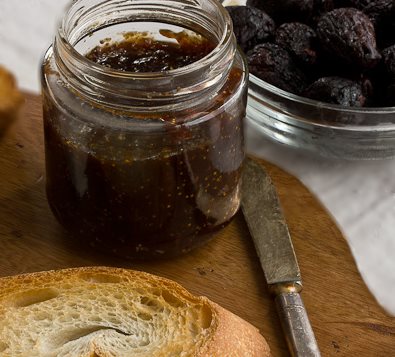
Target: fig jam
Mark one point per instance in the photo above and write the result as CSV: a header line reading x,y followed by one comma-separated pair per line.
x,y
140,52
147,193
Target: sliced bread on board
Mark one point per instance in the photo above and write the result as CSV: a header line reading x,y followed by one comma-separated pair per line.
x,y
10,99
97,312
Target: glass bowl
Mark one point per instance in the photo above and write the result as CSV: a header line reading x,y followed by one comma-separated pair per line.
x,y
327,129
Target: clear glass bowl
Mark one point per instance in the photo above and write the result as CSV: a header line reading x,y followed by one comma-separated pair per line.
x,y
327,129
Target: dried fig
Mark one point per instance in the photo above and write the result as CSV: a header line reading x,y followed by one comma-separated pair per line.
x,y
349,35
274,65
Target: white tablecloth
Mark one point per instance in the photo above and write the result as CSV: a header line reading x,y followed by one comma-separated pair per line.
x,y
359,195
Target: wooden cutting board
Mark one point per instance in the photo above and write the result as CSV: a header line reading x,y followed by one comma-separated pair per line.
x,y
346,318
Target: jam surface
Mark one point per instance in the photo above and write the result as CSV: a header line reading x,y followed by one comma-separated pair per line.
x,y
145,196
140,52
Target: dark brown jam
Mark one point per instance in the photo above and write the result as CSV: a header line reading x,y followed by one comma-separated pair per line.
x,y
140,52
118,196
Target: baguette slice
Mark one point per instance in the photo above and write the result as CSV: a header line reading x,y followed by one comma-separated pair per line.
x,y
10,99
92,312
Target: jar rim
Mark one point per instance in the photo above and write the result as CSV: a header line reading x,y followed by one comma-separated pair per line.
x,y
175,83
225,39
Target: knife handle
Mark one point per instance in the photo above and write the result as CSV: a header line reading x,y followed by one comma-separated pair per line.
x,y
296,325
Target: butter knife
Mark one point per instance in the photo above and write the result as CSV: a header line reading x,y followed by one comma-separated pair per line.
x,y
269,231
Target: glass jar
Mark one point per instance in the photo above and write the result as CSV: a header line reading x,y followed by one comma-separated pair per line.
x,y
119,176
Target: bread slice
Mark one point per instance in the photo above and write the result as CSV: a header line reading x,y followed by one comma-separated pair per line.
x,y
103,312
10,99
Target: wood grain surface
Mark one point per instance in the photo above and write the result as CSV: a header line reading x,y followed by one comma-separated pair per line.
x,y
345,317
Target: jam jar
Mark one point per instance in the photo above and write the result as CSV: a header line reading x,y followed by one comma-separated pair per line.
x,y
144,161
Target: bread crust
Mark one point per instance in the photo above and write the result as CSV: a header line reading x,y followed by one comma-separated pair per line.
x,y
229,334
234,337
10,98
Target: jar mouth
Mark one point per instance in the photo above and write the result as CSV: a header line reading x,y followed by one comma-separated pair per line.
x,y
84,18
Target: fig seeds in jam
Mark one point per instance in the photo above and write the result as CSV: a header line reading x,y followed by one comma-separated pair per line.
x,y
155,192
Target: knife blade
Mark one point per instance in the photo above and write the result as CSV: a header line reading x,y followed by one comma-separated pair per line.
x,y
263,214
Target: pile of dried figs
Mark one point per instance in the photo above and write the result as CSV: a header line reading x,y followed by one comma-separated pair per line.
x,y
335,51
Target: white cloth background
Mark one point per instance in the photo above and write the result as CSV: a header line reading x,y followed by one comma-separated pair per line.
x,y
359,195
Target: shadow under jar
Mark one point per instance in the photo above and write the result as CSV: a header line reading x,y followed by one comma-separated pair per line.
x,y
143,164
